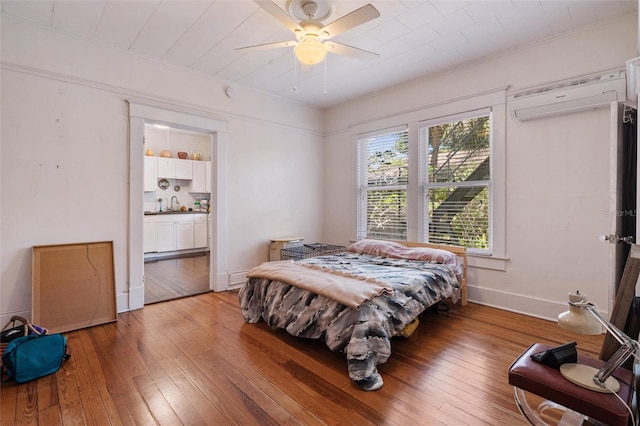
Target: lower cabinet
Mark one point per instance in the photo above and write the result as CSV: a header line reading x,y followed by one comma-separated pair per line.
x,y
184,234
173,232
150,234
166,236
200,230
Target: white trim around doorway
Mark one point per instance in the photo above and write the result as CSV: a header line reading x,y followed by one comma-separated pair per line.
x,y
139,113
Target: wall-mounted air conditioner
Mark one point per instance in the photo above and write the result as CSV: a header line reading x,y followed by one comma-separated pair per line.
x,y
633,70
569,96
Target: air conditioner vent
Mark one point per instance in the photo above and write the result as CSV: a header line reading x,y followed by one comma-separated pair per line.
x,y
568,96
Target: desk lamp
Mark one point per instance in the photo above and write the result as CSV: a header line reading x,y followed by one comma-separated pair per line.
x,y
583,318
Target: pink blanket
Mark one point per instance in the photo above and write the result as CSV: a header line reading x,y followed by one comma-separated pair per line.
x,y
349,290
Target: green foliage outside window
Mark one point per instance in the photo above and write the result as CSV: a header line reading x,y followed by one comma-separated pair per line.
x,y
457,189
459,172
387,177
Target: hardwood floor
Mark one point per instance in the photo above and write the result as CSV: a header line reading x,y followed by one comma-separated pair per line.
x,y
195,361
169,279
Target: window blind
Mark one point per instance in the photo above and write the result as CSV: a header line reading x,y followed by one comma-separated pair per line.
x,y
456,182
384,175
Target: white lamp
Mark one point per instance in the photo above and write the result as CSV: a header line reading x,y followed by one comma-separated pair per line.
x,y
583,317
579,320
310,50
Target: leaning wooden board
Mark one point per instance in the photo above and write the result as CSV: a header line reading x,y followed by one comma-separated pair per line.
x,y
73,286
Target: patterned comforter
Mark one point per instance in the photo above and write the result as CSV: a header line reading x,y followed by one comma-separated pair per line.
x,y
364,334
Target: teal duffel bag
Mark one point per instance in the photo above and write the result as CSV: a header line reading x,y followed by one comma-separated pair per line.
x,y
31,357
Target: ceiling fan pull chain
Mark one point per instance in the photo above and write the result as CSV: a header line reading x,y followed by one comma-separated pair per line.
x,y
295,72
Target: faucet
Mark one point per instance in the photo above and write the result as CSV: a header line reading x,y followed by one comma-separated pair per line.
x,y
177,202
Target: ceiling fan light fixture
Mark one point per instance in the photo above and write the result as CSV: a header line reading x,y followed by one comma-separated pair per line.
x,y
310,51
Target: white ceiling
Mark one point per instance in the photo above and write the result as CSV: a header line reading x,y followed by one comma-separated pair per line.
x,y
413,37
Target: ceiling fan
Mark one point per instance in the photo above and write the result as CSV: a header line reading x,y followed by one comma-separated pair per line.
x,y
312,36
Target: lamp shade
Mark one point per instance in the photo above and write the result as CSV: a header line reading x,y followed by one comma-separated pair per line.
x,y
310,51
579,320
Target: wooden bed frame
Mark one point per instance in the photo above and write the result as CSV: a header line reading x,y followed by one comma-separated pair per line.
x,y
461,252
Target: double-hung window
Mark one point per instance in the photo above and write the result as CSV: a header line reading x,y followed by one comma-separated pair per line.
x,y
383,176
437,174
455,175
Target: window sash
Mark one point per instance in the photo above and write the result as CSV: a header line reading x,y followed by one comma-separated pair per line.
x,y
457,199
383,176
463,220
387,214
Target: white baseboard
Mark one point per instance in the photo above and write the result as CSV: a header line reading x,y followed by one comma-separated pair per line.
x,y
134,299
526,305
122,302
236,279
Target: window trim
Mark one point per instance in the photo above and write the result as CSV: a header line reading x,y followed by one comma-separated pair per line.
x,y
495,99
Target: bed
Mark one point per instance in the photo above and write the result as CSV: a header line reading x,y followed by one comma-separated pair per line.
x,y
358,300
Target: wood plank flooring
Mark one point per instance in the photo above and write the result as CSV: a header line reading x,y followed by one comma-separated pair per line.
x,y
168,279
194,361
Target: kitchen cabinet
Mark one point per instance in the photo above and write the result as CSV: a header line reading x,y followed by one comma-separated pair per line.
x,y
166,168
201,230
150,234
184,169
150,174
172,168
199,182
207,176
175,232
166,235
184,234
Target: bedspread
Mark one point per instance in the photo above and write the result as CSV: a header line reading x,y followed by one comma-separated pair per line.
x,y
364,335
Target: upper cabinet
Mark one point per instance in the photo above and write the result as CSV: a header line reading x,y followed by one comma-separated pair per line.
x,y
201,177
150,174
184,169
207,181
172,168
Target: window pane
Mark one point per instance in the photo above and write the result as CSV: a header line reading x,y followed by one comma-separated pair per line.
x,y
387,214
385,184
387,160
459,216
459,151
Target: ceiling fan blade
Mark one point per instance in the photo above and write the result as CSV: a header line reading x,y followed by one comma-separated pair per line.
x,y
358,17
350,51
266,46
274,10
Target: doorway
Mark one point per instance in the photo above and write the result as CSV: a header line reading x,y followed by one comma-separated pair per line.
x,y
176,196
139,114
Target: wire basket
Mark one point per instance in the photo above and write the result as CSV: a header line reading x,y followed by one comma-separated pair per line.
x,y
306,251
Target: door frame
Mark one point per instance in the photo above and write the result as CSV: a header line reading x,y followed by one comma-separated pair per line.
x,y
139,114
616,260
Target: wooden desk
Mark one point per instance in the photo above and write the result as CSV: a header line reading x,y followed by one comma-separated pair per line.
x,y
546,382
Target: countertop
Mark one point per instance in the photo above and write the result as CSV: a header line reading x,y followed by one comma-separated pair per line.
x,y
177,212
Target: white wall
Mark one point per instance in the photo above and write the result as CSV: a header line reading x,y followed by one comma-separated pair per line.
x,y
557,169
65,154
